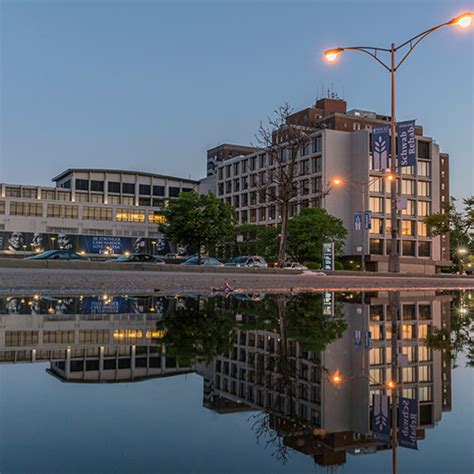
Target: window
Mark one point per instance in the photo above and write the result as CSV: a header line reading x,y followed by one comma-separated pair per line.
x,y
408,228
409,312
376,312
227,171
158,190
28,193
424,354
424,312
253,161
128,188
236,185
262,160
99,198
113,199
48,195
156,217
128,201
408,331
424,168
130,215
424,249
316,164
424,188
236,168
376,331
424,208
408,187
376,246
144,189
304,186
376,185
425,394
423,331
424,150
317,144
422,229
12,192
113,187
376,225
376,204
424,373
63,211
97,213
26,209
220,174
97,186
316,184
245,183
409,248
144,201
409,374
244,167
376,356
187,190
2,207
304,167
410,209
82,184
82,197
236,201
173,191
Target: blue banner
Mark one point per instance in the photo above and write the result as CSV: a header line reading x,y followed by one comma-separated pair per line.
x,y
380,145
407,422
367,339
357,220
358,339
381,420
367,220
328,256
406,143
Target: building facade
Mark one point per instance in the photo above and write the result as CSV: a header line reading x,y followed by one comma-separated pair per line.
x,y
340,147
90,211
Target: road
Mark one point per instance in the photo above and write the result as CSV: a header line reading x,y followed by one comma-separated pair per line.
x,y
27,281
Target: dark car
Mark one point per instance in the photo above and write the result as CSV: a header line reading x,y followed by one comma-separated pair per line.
x,y
246,262
138,258
213,262
57,255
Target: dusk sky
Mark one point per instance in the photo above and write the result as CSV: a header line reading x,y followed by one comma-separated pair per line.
x,y
151,85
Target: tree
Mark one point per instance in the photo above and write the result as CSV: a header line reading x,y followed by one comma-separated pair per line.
x,y
257,240
283,140
308,231
198,220
458,223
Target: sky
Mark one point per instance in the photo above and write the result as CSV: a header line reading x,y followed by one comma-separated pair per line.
x,y
151,85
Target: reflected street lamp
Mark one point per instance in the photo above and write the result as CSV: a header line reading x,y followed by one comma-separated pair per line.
x,y
462,21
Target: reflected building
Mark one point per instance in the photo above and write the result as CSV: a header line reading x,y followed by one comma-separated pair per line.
x,y
88,340
306,408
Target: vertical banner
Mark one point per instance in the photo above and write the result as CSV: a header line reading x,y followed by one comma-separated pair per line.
x,y
358,339
407,422
357,220
367,340
328,256
380,146
367,220
328,303
381,422
406,143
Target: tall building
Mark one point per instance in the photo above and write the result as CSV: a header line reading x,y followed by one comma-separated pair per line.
x,y
340,147
91,211
224,152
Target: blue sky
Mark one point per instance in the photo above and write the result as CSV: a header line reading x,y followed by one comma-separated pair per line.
x,y
151,85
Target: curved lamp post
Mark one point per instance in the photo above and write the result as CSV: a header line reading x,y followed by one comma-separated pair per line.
x,y
463,21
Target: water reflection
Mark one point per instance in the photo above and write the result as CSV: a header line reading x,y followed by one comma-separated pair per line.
x,y
295,363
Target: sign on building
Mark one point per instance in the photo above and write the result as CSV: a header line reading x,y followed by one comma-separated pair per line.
x,y
357,220
328,256
380,146
367,220
381,422
406,143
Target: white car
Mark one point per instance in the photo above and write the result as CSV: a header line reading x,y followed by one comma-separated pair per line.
x,y
295,266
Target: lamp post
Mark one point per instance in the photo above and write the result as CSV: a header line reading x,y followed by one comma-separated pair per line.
x,y
338,182
463,21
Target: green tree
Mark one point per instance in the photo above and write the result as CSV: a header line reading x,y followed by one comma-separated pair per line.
x,y
257,240
458,223
308,231
198,220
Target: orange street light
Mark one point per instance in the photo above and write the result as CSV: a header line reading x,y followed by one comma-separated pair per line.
x,y
336,378
332,54
337,181
464,20
391,384
390,177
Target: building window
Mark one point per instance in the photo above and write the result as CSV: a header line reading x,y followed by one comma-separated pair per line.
x,y
97,186
376,246
220,189
424,168
236,185
98,198
376,356
2,207
317,144
28,193
187,190
376,185
236,168
262,160
81,197
113,199
144,189
63,211
304,186
130,215
173,191
12,192
82,184
424,208
158,190
408,228
376,204
424,249
424,312
128,188
113,187
408,187
236,201
97,213
304,167
408,248
26,209
424,354
127,201
144,201
422,229
424,188
424,150
262,213
410,209
376,226
424,373
220,173
155,217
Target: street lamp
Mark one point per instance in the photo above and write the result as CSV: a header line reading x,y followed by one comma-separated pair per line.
x,y
463,21
338,182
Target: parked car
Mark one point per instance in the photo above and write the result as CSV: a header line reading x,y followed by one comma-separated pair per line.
x,y
138,258
295,266
57,255
210,261
246,262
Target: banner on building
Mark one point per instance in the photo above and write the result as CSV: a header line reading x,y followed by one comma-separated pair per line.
x,y
406,143
407,422
357,220
381,420
380,144
367,220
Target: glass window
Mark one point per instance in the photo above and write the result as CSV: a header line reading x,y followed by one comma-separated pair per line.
x,y
130,215
81,197
376,356
409,248
376,312
156,217
11,191
144,189
424,168
97,186
422,229
316,164
376,185
424,208
408,228
425,394
409,374
2,207
113,187
158,190
408,187
424,354
376,246
62,211
317,144
423,331
410,209
376,225
97,213
173,191
128,188
82,184
376,331
26,209
409,312
424,249
424,188
28,193
408,331
423,149
424,373
424,312
376,204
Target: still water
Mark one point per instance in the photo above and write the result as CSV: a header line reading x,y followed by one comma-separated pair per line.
x,y
232,384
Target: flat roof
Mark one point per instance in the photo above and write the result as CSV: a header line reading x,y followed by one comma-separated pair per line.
x,y
107,170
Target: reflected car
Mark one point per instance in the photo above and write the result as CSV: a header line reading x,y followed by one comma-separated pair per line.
x,y
247,262
209,261
295,266
138,258
57,255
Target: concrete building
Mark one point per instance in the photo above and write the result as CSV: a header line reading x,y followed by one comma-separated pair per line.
x,y
224,152
90,211
340,146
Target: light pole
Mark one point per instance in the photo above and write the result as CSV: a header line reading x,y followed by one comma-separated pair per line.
x,y
364,186
464,20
